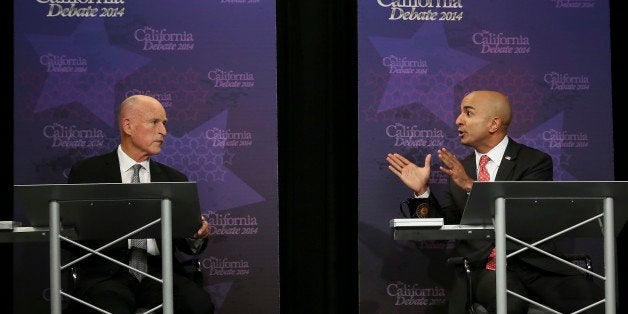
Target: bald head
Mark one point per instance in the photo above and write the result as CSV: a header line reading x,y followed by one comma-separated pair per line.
x,y
484,119
493,104
142,121
130,106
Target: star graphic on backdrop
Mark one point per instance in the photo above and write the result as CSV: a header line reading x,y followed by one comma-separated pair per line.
x,y
423,69
83,67
219,292
537,138
202,155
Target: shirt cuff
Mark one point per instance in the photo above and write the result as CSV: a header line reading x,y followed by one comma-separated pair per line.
x,y
425,194
195,244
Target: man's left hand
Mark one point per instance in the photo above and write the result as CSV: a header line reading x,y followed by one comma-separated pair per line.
x,y
202,232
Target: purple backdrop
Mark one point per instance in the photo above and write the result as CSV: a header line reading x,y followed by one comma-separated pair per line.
x,y
416,61
213,66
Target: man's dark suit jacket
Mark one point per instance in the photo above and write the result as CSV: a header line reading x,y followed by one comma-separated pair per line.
x,y
519,163
106,169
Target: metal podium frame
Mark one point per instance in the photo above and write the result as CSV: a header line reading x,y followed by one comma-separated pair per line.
x,y
589,202
82,208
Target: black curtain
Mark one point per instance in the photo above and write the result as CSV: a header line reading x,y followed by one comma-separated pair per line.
x,y
6,127
317,87
618,64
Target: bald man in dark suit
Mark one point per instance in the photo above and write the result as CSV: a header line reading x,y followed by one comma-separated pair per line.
x,y
142,123
483,125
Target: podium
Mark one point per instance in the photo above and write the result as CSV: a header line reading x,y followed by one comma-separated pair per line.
x,y
103,211
554,208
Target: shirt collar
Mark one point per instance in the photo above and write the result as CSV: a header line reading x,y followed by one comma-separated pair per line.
x,y
127,162
495,154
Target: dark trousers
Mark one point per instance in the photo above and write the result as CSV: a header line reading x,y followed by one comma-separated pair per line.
x,y
123,293
564,293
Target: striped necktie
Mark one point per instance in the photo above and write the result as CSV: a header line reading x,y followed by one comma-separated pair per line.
x,y
138,246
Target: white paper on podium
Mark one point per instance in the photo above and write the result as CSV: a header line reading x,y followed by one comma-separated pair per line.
x,y
416,223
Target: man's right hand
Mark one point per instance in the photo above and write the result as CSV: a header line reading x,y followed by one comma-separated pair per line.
x,y
453,168
411,175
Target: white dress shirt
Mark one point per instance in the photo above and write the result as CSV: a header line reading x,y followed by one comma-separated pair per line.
x,y
496,154
126,170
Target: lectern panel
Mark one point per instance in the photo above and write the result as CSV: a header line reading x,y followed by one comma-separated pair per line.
x,y
110,210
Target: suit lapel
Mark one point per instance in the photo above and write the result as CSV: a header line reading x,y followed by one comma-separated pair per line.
x,y
156,175
111,170
470,167
504,173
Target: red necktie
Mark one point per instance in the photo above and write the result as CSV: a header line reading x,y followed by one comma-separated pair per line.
x,y
484,176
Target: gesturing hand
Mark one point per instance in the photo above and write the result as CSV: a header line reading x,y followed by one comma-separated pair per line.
x,y
453,168
411,175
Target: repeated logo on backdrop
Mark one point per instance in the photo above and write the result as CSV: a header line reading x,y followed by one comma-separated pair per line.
x,y
77,60
417,60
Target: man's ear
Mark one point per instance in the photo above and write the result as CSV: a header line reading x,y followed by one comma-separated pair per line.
x,y
496,123
126,125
